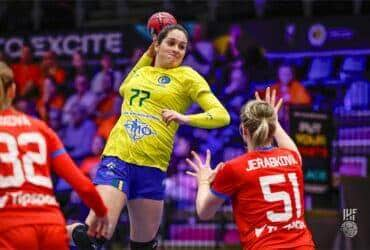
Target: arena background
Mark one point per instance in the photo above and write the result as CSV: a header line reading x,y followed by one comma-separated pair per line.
x,y
237,46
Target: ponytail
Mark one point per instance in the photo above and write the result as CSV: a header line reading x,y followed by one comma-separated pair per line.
x,y
261,135
260,120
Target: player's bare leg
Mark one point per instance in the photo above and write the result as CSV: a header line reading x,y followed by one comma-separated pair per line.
x,y
114,199
145,219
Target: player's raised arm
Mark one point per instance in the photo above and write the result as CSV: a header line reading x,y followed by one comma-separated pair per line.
x,y
145,60
282,138
207,203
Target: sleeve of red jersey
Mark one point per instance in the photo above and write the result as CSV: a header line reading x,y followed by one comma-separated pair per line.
x,y
225,183
64,166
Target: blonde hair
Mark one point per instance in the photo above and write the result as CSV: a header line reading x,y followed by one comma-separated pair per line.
x,y
260,120
6,80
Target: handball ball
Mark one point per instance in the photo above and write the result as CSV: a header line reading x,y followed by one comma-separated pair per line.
x,y
158,21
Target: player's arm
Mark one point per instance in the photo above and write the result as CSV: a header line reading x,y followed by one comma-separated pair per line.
x,y
145,60
63,166
282,139
207,201
214,115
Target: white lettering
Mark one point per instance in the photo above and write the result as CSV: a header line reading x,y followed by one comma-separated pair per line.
x,y
13,47
26,199
94,43
14,121
309,127
271,229
71,43
3,201
38,43
113,42
54,44
271,162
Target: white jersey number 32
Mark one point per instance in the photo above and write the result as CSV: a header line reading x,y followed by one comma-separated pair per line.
x,y
23,169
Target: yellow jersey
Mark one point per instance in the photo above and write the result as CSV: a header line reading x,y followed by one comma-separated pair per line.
x,y
140,136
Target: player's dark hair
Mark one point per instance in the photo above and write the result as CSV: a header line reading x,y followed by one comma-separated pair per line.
x,y
6,80
164,32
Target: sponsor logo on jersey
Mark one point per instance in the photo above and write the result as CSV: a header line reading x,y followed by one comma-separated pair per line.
x,y
268,229
164,79
138,129
26,199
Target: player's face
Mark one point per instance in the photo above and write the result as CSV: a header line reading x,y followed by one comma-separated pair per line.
x,y
172,49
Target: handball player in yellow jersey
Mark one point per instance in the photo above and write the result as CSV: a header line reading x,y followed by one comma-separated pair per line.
x,y
138,150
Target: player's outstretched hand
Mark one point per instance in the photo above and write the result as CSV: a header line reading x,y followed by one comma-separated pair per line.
x,y
271,99
203,171
100,227
169,116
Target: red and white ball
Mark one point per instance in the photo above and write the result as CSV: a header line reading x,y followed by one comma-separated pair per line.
x,y
158,21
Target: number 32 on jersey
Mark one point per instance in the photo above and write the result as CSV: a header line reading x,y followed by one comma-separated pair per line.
x,y
23,168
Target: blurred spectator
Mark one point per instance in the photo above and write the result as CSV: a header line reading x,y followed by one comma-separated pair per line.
x,y
55,121
49,98
358,96
109,104
79,66
108,108
50,67
97,83
200,52
82,96
290,89
181,147
237,82
181,187
79,133
90,164
227,44
26,73
26,106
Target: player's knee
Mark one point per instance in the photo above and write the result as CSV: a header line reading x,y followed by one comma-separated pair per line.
x,y
134,245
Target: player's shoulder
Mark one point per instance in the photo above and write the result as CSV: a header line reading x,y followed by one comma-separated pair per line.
x,y
188,71
38,124
143,71
284,151
237,161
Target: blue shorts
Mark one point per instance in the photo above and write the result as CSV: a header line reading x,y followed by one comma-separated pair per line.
x,y
135,181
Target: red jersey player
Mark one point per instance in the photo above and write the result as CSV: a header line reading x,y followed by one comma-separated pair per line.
x,y
265,184
29,151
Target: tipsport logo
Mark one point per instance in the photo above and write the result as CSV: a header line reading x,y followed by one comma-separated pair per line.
x,y
138,129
